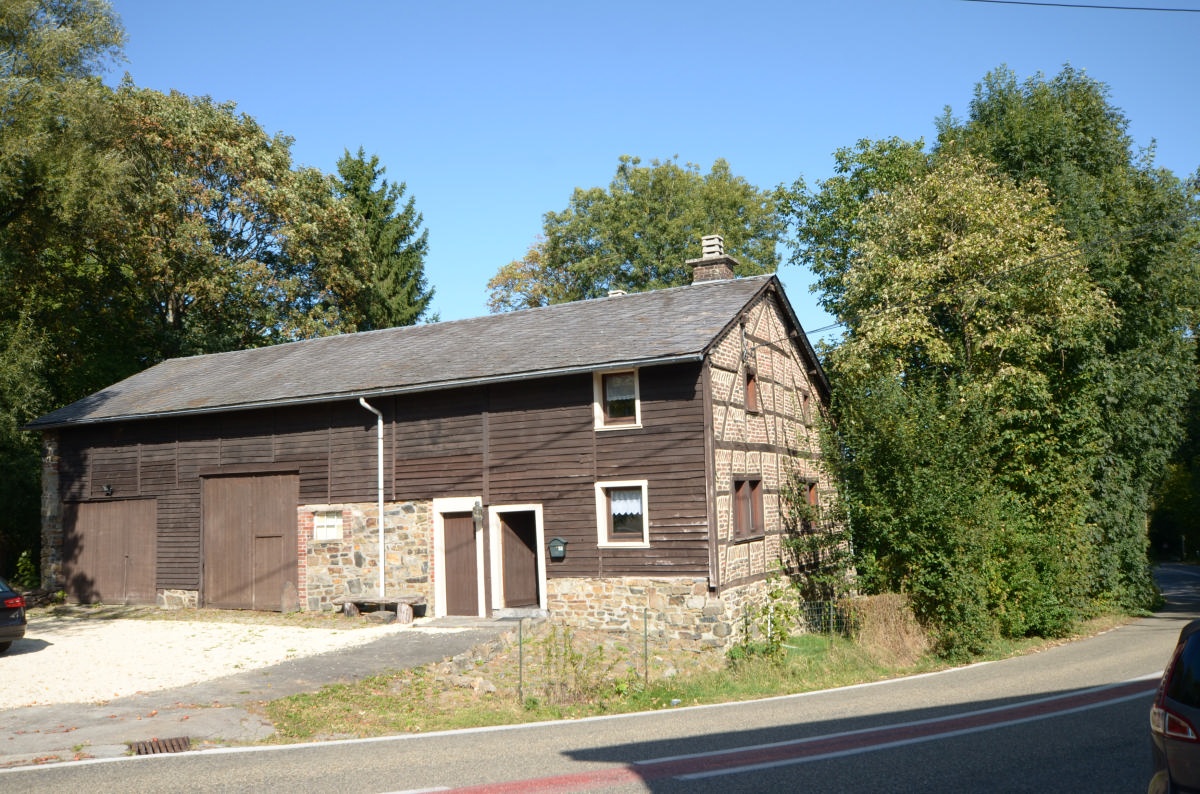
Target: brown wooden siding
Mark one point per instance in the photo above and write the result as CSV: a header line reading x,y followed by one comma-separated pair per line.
x,y
668,452
529,442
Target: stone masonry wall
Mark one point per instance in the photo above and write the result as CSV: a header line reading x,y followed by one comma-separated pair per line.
x,y
680,613
53,575
349,566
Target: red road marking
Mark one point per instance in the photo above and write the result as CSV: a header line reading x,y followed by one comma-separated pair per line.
x,y
817,747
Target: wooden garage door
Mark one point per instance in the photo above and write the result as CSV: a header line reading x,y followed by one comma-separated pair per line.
x,y
249,535
109,551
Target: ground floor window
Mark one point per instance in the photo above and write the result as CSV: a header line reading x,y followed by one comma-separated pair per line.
x,y
622,514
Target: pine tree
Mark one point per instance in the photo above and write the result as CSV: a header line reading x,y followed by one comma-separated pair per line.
x,y
397,292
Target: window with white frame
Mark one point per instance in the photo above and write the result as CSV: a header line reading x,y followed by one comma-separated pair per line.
x,y
622,513
327,525
617,402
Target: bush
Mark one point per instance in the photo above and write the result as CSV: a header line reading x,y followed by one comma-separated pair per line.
x,y
886,628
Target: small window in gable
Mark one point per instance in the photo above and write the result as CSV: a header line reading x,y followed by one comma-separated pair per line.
x,y
751,391
622,514
617,401
327,525
747,508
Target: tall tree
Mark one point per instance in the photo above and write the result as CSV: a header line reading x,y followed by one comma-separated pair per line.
x,y
1137,227
636,234
1005,483
960,392
219,244
50,51
398,293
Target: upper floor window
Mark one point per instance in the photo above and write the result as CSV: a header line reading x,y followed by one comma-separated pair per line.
x,y
751,391
617,402
747,508
622,513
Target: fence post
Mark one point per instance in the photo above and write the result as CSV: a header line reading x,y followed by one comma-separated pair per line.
x,y
645,648
521,661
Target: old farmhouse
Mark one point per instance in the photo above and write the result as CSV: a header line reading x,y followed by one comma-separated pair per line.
x,y
591,460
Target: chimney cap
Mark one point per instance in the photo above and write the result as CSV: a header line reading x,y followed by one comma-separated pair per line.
x,y
712,246
714,264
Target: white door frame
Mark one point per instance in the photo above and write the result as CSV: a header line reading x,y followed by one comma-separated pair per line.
x,y
454,504
496,544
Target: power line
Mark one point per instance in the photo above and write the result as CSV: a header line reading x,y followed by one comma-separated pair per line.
x,y
1086,5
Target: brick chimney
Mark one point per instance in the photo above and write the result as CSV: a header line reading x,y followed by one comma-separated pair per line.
x,y
713,265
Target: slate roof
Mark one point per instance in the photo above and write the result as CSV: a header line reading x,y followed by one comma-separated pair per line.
x,y
661,326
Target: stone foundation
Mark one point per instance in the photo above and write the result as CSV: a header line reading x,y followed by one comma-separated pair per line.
x,y
178,599
679,613
53,576
349,566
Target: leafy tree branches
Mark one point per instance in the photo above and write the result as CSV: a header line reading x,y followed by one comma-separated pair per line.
x,y
636,234
137,225
1016,356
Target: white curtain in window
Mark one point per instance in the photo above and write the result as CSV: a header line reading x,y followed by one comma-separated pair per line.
x,y
626,501
619,387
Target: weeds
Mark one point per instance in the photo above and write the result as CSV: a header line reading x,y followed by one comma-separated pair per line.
x,y
575,673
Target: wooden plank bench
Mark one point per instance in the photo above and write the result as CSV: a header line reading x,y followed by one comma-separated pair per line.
x,y
402,605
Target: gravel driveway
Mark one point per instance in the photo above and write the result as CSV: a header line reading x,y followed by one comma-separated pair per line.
x,y
85,658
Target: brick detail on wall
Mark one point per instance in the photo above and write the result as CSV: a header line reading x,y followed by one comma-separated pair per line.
x,y
349,567
776,442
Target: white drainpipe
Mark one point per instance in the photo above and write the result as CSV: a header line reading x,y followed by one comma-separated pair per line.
x,y
379,455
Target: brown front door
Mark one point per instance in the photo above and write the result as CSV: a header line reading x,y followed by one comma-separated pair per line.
x,y
109,551
519,531
462,569
249,529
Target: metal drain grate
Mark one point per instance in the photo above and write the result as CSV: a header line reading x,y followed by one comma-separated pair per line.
x,y
156,746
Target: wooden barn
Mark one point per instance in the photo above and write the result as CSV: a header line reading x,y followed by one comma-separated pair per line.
x,y
591,460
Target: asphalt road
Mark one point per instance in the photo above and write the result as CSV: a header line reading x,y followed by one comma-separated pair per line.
x,y
1073,717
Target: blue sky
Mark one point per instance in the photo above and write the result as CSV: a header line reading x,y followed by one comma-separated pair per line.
x,y
493,112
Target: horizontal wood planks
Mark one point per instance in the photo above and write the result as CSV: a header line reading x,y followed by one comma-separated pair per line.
x,y
528,442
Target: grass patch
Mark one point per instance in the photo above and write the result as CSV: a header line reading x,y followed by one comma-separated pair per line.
x,y
565,674
433,698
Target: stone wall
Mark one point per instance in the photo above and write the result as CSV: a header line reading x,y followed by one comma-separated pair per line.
x,y
53,576
178,599
680,614
349,566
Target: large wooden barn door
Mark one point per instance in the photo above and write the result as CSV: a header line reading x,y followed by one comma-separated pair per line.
x,y
249,534
519,538
109,551
462,564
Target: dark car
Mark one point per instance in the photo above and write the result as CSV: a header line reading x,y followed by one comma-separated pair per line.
x,y
12,616
1175,717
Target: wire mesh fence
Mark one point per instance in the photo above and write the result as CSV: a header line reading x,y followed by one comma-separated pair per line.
x,y
561,664
825,617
